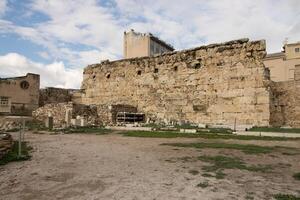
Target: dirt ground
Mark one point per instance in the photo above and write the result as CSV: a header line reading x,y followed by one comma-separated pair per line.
x,y
77,166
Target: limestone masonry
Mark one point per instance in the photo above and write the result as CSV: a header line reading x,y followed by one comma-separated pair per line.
x,y
218,84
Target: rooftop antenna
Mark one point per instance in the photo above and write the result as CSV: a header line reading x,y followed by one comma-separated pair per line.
x,y
285,41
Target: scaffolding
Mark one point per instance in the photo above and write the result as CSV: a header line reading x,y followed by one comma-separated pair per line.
x,y
128,117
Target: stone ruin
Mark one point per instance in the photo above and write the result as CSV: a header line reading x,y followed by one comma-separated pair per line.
x,y
65,113
218,84
223,85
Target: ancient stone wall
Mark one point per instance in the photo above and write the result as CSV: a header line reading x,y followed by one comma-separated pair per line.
x,y
285,104
57,95
216,84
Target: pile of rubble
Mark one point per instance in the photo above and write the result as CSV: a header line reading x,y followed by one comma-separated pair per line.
x,y
64,113
7,124
6,143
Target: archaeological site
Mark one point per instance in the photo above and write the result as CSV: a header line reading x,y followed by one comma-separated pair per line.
x,y
220,121
232,85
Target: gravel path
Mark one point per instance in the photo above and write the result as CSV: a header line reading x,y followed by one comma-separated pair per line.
x,y
114,167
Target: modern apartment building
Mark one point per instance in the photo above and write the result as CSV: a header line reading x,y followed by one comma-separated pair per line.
x,y
282,65
143,44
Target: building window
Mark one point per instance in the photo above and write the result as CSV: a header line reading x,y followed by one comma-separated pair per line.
x,y
3,101
24,85
139,72
297,50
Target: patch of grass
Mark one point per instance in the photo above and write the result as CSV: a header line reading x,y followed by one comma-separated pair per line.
x,y
205,135
194,172
12,156
249,197
248,149
203,184
297,176
186,126
275,129
207,175
215,130
86,130
224,162
286,197
220,163
220,175
36,125
13,130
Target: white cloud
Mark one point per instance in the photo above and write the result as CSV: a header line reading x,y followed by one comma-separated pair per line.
x,y
197,21
83,32
80,22
55,74
3,7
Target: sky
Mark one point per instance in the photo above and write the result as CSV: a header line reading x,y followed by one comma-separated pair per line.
x,y
58,38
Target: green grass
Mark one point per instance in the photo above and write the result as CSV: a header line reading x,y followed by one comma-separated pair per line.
x,y
286,197
207,175
36,125
220,175
194,172
87,130
246,148
12,156
219,163
297,176
203,184
275,129
215,130
170,134
13,130
186,126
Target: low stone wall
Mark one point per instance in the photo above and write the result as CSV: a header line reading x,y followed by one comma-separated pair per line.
x,y
8,124
58,112
6,143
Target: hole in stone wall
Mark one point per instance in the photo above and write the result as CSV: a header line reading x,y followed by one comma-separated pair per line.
x,y
139,72
156,70
175,68
107,76
94,77
197,66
